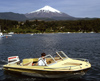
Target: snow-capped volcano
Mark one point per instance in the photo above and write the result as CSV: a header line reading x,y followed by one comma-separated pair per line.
x,y
48,12
47,9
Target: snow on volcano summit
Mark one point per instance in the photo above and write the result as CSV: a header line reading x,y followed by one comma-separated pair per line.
x,y
47,9
48,12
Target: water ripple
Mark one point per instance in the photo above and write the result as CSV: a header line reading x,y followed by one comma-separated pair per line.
x,y
75,45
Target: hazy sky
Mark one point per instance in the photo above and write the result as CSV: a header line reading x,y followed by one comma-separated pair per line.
x,y
75,8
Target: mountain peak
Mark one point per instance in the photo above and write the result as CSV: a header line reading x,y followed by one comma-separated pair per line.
x,y
47,9
48,12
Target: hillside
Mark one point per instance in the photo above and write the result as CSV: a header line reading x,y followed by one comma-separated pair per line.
x,y
12,16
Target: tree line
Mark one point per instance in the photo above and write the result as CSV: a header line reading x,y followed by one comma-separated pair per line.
x,y
38,26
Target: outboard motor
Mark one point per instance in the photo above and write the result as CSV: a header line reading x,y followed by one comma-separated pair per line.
x,y
13,60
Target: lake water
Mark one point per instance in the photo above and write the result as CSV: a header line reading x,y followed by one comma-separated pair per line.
x,y
75,45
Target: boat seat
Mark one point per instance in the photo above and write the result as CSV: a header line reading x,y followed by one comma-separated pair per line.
x,y
36,64
49,61
28,64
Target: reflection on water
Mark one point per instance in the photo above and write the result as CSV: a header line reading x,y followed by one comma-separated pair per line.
x,y
75,45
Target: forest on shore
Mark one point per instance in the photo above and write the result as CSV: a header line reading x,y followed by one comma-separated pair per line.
x,y
38,26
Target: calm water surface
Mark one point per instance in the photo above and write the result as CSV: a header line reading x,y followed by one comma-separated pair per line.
x,y
79,45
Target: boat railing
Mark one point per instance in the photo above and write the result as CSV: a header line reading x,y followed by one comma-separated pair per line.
x,y
82,59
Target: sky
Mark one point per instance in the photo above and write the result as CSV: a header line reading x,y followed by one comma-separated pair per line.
x,y
75,8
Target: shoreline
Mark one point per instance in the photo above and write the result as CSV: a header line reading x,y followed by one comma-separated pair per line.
x,y
49,33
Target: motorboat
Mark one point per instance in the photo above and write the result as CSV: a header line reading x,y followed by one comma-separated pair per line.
x,y
57,66
1,34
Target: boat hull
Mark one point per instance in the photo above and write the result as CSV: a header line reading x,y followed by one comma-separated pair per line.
x,y
67,75
49,74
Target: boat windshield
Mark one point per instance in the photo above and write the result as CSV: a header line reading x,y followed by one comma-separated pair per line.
x,y
49,59
62,55
59,56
